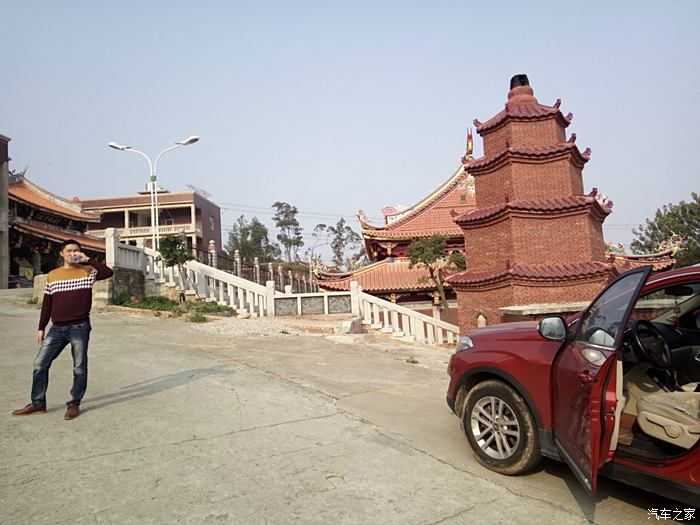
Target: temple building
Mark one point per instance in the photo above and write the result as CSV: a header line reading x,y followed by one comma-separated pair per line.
x,y
38,222
389,275
535,237
531,235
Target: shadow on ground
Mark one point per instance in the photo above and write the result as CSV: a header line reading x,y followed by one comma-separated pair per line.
x,y
155,386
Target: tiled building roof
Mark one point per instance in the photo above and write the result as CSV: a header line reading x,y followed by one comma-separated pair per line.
x,y
545,272
545,207
164,197
23,190
431,216
568,148
388,275
531,111
659,261
61,235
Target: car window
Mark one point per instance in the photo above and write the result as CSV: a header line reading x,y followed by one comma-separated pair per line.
x,y
670,305
600,325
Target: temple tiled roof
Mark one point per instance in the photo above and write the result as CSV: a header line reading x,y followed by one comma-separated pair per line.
x,y
544,272
431,216
388,275
531,111
61,235
534,206
659,261
23,190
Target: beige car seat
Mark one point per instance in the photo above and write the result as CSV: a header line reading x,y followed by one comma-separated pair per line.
x,y
673,417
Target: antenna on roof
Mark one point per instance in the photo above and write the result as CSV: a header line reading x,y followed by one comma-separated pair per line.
x,y
199,191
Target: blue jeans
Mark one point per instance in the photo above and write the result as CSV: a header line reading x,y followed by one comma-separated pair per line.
x,y
78,335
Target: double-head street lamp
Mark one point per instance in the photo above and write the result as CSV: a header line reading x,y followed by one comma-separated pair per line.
x,y
152,185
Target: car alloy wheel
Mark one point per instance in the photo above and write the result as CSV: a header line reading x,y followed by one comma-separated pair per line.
x,y
495,427
500,428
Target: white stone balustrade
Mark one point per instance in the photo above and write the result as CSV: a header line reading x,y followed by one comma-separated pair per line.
x,y
404,322
221,287
118,255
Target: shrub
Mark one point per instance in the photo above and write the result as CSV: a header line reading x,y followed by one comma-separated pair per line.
x,y
196,318
209,308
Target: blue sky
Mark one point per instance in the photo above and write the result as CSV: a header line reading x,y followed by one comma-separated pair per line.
x,y
335,106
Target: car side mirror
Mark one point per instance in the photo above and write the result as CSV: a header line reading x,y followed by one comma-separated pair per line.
x,y
553,328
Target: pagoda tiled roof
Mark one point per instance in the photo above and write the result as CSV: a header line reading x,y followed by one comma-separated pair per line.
x,y
531,111
484,163
22,189
388,275
61,235
431,216
559,204
544,272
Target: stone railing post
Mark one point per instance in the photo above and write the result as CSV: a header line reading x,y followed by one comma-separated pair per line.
x,y
270,272
212,254
303,282
280,274
270,285
290,279
111,242
256,269
237,263
354,298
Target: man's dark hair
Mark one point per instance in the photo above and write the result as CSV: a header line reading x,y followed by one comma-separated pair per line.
x,y
70,241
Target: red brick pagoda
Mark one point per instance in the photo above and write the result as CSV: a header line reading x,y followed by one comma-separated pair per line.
x,y
534,237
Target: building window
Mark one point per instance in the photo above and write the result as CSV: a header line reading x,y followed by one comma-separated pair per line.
x,y
211,223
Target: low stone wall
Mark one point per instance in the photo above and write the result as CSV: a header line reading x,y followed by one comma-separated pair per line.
x,y
313,304
130,282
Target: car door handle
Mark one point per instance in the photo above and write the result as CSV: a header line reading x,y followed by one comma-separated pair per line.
x,y
585,378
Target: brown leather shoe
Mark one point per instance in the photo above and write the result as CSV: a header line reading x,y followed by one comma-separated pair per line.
x,y
29,409
72,412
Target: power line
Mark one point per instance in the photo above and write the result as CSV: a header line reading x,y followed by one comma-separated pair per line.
x,y
309,214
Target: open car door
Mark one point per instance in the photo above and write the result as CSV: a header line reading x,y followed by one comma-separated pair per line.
x,y
581,373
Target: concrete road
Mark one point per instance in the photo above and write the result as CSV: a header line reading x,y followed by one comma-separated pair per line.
x,y
181,427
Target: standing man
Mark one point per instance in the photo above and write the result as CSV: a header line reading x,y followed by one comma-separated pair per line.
x,y
67,302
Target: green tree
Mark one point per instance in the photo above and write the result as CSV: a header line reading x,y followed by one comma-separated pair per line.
x,y
174,251
290,232
251,239
343,237
340,237
429,253
320,239
672,220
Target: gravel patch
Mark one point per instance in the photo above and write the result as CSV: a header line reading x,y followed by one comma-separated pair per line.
x,y
235,327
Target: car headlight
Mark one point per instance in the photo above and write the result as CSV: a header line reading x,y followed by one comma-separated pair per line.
x,y
465,343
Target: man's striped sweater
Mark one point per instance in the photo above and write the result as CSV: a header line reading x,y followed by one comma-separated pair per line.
x,y
68,293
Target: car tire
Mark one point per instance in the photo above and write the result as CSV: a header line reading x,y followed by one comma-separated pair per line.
x,y
500,428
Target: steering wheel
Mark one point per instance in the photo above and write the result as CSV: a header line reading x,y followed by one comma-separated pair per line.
x,y
649,339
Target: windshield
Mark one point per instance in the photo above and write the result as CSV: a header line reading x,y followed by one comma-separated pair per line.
x,y
600,325
671,305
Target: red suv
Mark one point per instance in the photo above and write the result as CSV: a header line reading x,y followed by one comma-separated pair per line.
x,y
614,389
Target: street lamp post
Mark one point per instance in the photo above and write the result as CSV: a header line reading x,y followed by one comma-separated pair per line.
x,y
152,184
